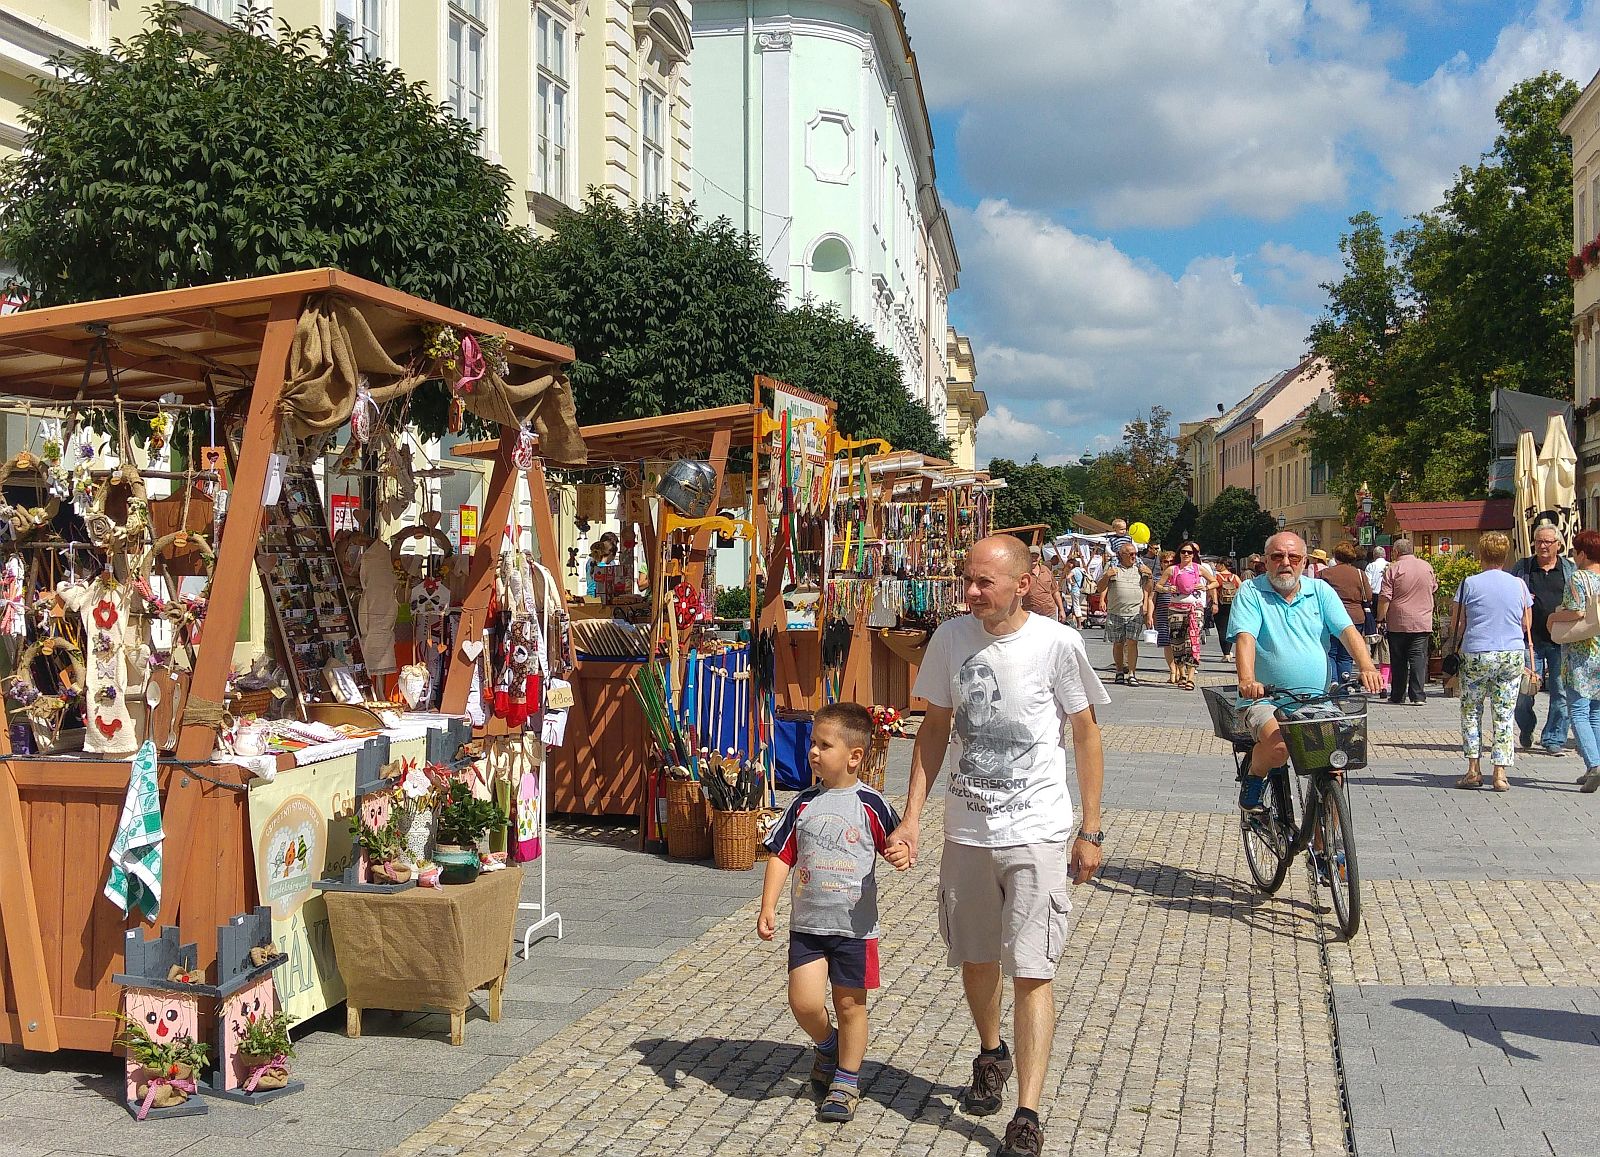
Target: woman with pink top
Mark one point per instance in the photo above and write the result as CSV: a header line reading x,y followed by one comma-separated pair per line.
x,y
1192,587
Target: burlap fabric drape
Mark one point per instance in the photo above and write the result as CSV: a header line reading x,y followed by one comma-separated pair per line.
x,y
334,347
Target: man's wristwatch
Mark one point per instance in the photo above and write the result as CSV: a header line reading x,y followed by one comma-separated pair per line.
x,y
1095,838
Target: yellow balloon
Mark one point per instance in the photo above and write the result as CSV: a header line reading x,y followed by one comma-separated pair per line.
x,y
1140,533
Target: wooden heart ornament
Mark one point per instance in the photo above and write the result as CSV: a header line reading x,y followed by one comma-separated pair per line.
x,y
472,648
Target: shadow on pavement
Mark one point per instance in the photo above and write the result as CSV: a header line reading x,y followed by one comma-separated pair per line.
x,y
1552,1024
1175,887
755,1070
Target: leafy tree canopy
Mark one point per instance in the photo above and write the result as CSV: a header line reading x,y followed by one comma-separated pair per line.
x,y
1426,324
180,158
1234,524
1034,493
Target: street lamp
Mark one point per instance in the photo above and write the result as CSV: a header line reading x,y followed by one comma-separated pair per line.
x,y
1282,522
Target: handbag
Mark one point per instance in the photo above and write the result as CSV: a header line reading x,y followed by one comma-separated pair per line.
x,y
1578,630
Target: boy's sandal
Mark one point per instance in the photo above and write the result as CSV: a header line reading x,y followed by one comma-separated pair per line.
x,y
839,1105
821,1076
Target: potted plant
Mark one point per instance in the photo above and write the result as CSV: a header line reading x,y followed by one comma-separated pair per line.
x,y
385,849
1451,570
169,1067
264,1050
463,820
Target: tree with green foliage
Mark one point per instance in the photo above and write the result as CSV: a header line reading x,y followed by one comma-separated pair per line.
x,y
1424,326
1034,493
666,312
1234,524
180,158
827,353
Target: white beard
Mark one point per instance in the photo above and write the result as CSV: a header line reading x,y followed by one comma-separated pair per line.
x,y
1284,585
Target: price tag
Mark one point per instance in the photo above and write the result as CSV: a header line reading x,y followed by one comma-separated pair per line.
x,y
279,693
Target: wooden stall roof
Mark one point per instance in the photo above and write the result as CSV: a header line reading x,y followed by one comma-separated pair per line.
x,y
172,341
670,435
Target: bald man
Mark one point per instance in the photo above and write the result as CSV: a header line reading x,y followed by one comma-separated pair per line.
x,y
1009,681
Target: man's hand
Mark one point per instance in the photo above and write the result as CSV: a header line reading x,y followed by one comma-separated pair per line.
x,y
1086,859
766,924
902,845
898,855
1252,689
1371,681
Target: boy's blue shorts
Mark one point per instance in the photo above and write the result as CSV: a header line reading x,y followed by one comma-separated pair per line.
x,y
852,961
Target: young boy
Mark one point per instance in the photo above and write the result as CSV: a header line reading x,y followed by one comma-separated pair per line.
x,y
833,833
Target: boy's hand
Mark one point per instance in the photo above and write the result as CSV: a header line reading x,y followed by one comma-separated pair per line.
x,y
903,841
766,925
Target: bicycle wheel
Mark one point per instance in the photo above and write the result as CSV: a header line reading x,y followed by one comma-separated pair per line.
x,y
1338,844
1267,836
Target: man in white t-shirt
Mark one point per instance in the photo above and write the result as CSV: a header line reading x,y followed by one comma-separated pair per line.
x,y
1007,681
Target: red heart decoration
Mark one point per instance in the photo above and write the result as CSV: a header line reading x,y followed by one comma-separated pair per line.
x,y
105,614
108,729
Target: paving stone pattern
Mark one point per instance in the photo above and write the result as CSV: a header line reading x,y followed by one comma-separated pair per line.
x,y
1464,1018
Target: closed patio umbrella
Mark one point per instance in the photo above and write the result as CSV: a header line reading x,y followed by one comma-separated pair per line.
x,y
1527,494
1558,479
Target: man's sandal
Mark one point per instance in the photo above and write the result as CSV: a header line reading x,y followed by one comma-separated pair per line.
x,y
839,1105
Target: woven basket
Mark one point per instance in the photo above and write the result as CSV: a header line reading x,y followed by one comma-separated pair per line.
x,y
259,703
733,840
877,763
688,821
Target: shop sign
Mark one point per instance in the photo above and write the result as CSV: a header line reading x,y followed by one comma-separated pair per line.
x,y
299,834
469,529
1368,533
1444,545
343,512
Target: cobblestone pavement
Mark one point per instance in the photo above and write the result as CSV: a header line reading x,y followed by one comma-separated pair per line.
x,y
1465,1017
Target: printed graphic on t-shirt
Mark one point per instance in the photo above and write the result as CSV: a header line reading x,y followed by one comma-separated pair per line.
x,y
993,746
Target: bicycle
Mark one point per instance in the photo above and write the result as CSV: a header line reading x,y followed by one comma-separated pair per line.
x,y
1326,736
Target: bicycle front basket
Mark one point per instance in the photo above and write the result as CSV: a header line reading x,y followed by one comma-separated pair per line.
x,y
1326,736
1227,720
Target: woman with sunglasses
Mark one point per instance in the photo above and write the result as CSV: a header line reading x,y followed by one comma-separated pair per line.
x,y
1192,588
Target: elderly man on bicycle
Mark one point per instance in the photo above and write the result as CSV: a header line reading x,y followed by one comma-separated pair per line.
x,y
1280,627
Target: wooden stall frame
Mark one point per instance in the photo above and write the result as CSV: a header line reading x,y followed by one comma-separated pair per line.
x,y
172,341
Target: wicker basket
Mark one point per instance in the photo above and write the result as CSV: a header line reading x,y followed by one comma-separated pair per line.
x,y
688,821
877,762
258,703
733,840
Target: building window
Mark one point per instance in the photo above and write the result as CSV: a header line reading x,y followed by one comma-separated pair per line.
x,y
554,85
466,63
362,22
652,141
830,273
1581,228
227,11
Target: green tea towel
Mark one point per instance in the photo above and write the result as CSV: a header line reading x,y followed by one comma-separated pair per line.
x,y
136,849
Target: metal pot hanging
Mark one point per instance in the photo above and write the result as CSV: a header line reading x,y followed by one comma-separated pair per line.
x,y
689,487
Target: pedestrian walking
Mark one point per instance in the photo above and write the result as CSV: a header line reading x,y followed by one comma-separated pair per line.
x,y
1375,569
1044,596
1227,589
1008,683
832,833
1074,594
1256,565
1349,581
1580,659
1547,574
1163,609
1491,638
1190,587
1405,607
1130,608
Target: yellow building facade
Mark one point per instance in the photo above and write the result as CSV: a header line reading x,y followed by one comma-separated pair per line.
x,y
1582,126
965,404
1294,488
567,93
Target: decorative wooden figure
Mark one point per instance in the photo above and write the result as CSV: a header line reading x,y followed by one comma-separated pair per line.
x,y
168,1010
245,991
374,793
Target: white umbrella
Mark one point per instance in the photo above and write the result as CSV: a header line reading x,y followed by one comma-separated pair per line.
x,y
1558,477
1527,493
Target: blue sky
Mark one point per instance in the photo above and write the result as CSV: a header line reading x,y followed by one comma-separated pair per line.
x,y
1146,193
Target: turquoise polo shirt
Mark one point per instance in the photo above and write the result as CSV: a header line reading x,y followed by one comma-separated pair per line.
x,y
1291,637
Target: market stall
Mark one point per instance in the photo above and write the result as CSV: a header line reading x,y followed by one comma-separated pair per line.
x,y
258,382
640,604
